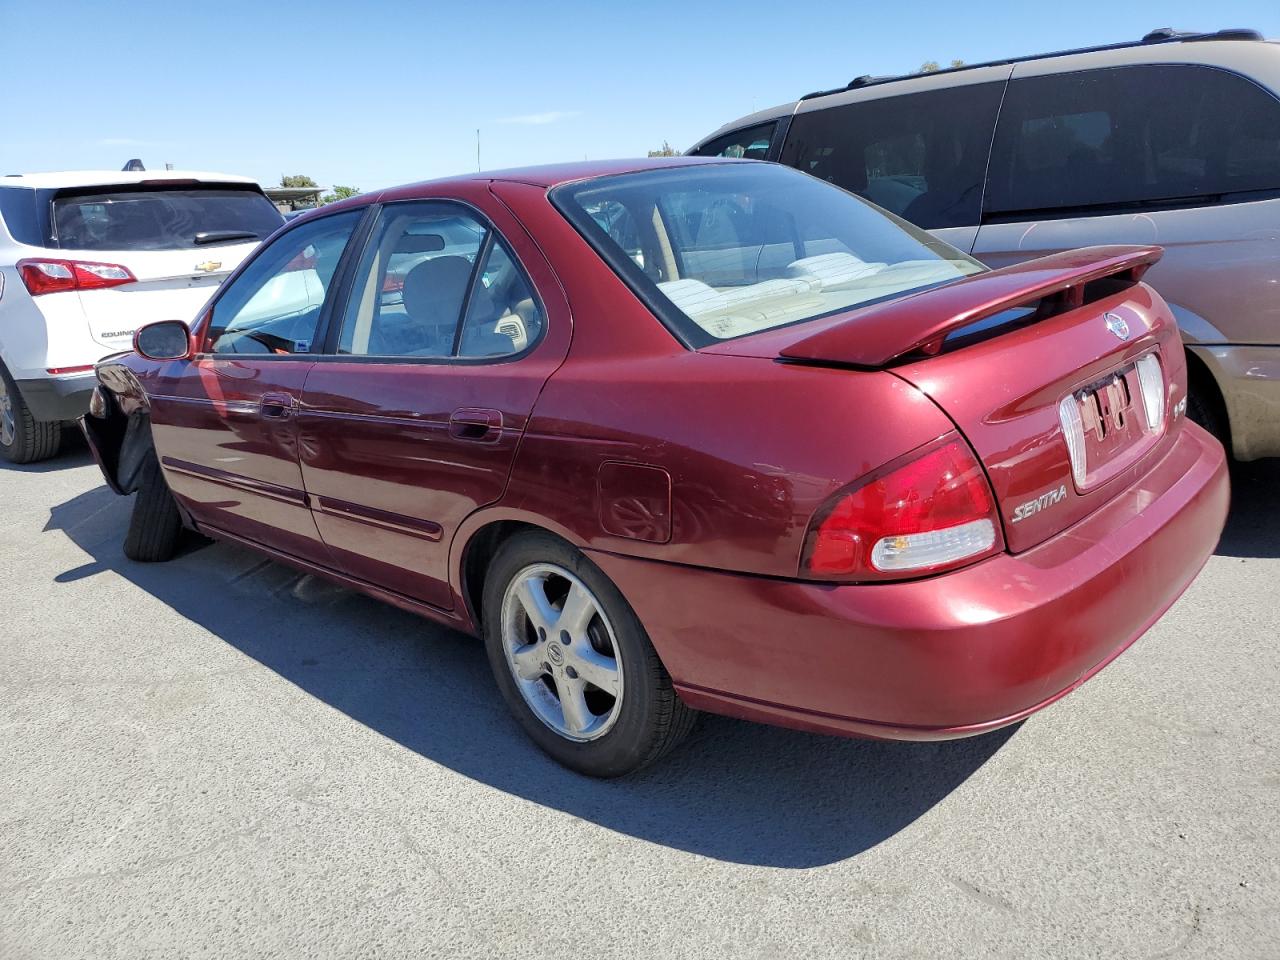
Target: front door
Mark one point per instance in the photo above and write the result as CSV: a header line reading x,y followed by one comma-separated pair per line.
x,y
225,423
412,421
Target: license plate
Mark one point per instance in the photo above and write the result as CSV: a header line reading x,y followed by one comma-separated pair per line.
x,y
1105,427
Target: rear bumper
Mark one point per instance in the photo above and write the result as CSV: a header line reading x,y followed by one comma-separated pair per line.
x,y
61,398
1249,378
948,656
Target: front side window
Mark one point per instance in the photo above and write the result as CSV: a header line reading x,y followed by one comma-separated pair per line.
x,y
161,218
435,282
1128,137
922,156
733,249
749,144
273,307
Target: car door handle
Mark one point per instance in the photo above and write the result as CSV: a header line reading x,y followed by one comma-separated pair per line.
x,y
277,406
475,423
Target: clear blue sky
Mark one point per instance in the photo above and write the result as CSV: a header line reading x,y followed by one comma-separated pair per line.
x,y
376,93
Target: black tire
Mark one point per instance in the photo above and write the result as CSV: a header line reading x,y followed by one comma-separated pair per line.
x,y
32,440
651,719
1207,412
155,525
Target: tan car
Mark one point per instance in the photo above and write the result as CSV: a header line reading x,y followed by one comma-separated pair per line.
x,y
1172,140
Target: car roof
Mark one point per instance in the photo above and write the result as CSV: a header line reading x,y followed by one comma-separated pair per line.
x,y
1239,50
113,178
554,174
544,176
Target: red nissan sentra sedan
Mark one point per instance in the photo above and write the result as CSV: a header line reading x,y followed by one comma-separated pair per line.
x,y
688,435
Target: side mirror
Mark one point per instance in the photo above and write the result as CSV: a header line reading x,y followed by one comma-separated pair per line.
x,y
163,340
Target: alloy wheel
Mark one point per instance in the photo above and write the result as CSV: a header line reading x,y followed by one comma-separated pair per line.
x,y
561,650
8,424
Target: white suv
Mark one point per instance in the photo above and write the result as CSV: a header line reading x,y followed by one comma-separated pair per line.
x,y
86,258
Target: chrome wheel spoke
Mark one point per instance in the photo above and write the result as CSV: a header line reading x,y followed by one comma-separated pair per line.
x,y
576,612
528,661
573,703
596,669
533,597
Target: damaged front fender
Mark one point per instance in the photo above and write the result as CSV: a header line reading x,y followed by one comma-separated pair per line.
x,y
118,427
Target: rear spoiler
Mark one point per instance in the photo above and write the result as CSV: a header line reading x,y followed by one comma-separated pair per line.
x,y
918,324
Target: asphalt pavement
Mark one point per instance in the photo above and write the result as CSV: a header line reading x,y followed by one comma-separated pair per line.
x,y
220,757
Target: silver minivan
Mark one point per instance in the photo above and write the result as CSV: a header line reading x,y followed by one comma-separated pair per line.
x,y
1172,140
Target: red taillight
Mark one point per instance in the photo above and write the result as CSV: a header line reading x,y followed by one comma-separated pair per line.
x,y
929,511
59,276
57,371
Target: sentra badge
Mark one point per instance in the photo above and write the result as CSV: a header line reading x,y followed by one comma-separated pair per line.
x,y
1042,502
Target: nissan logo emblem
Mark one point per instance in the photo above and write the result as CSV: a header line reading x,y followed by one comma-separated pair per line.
x,y
1117,325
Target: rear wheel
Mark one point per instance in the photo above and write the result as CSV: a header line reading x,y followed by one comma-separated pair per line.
x,y
155,525
23,438
1207,413
574,663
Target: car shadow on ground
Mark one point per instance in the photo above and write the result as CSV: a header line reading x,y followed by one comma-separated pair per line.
x,y
1253,525
735,791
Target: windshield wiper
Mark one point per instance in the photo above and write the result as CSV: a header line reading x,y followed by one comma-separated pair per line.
x,y
224,236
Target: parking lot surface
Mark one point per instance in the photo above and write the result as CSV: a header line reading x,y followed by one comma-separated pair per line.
x,y
219,756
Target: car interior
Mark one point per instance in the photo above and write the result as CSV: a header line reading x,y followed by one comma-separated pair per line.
x,y
417,278
737,262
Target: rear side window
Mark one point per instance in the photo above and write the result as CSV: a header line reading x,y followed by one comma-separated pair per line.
x,y
18,209
922,156
749,144
161,219
435,282
1129,137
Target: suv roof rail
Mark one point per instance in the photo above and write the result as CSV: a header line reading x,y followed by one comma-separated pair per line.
x,y
1159,35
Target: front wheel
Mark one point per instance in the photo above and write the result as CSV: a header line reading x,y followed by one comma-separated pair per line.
x,y
574,663
155,525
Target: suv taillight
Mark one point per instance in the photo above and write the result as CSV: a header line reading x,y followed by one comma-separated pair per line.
x,y
58,276
929,511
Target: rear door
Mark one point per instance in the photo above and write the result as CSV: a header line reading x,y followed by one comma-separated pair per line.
x,y
1178,155
412,422
225,423
921,155
178,239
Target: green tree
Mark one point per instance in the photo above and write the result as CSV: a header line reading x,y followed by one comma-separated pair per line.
x,y
340,193
297,180
932,66
666,150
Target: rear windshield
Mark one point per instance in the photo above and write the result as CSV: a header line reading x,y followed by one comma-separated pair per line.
x,y
724,250
162,219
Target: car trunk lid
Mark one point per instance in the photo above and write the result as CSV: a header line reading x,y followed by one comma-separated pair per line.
x,y
1042,366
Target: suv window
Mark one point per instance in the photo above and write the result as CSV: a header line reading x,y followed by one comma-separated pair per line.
x,y
418,275
273,307
922,156
18,210
1132,136
161,218
750,144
